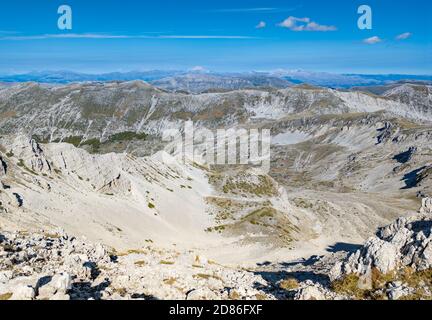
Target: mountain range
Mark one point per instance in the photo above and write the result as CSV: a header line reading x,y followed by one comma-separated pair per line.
x,y
88,159
202,81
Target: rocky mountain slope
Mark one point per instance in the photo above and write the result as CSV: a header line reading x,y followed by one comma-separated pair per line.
x,y
126,202
88,159
115,198
99,111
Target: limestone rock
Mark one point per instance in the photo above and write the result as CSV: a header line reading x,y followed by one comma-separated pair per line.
x,y
426,206
311,292
406,242
23,292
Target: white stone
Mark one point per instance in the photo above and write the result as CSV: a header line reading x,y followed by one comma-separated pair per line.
x,y
62,282
23,292
426,206
310,293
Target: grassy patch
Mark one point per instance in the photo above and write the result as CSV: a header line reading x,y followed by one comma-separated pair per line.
x,y
74,140
264,186
417,280
206,276
260,297
5,296
140,263
131,251
93,143
170,281
349,286
289,284
21,164
121,291
234,295
261,213
52,235
127,136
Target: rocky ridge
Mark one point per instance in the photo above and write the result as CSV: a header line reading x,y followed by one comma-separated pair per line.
x,y
394,264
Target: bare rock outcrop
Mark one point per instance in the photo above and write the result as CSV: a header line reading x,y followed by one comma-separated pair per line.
x,y
426,206
3,167
407,242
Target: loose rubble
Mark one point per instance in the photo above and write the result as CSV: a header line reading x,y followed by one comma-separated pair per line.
x,y
394,264
60,267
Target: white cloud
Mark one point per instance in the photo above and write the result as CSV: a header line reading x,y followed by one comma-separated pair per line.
x,y
261,25
304,24
404,36
372,40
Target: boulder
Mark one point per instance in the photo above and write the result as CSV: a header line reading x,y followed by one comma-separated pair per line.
x,y
311,292
57,285
405,242
23,292
397,291
62,283
426,206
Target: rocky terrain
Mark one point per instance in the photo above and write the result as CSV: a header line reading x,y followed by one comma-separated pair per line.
x,y
93,115
56,266
395,264
88,158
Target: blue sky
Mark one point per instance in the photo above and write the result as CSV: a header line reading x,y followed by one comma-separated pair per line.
x,y
126,35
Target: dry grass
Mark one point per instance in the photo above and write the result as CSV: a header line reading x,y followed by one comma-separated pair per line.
x,y
234,295
121,291
206,276
140,263
260,296
418,280
170,281
131,251
5,296
289,284
349,286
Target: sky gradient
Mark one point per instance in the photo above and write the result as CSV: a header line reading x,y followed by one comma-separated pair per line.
x,y
217,35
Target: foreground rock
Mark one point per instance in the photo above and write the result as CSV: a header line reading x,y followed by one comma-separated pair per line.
x,y
395,264
59,267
